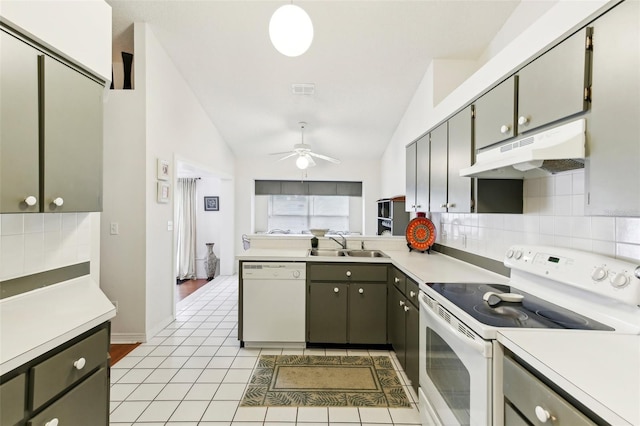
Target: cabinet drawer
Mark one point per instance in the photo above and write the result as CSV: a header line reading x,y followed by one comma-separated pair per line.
x,y
526,392
52,376
86,404
348,272
412,291
12,400
398,279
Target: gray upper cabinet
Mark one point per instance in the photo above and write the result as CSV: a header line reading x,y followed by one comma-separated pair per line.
x,y
72,139
612,175
51,133
417,175
19,178
459,198
553,86
495,114
439,168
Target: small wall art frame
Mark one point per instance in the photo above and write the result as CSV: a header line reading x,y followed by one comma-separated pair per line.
x,y
211,204
164,191
163,170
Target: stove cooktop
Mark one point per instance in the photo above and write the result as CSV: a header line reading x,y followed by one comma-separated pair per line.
x,y
531,312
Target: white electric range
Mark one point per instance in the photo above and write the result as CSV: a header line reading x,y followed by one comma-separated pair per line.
x,y
549,288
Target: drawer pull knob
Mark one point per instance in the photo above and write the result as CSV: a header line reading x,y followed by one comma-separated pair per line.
x,y
401,303
412,293
396,280
58,201
406,308
361,290
348,273
52,422
30,201
542,414
336,289
79,364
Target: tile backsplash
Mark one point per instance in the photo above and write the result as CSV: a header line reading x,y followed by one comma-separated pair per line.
x,y
37,242
553,215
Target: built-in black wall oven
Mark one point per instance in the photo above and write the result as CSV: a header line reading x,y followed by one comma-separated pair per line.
x,y
460,360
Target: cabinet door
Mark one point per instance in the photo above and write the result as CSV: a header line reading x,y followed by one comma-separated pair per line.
x,y
495,114
612,175
423,153
72,139
397,323
439,160
410,177
19,138
368,313
328,312
412,345
12,400
552,87
459,189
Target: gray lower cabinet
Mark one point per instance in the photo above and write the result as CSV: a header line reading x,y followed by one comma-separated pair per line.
x,y
50,132
69,383
347,303
612,175
403,323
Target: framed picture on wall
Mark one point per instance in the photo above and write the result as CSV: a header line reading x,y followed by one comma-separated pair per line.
x,y
211,204
163,192
163,170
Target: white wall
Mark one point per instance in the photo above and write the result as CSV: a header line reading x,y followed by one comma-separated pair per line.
x,y
554,206
250,169
77,30
161,118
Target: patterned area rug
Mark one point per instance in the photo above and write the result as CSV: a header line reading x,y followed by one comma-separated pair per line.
x,y
325,381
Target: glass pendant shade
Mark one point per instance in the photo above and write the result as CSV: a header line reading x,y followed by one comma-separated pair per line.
x,y
291,30
302,162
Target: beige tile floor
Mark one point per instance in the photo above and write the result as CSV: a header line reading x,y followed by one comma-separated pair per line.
x,y
194,373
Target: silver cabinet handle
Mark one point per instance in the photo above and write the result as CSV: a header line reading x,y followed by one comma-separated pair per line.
x,y
52,422
504,129
336,289
522,120
30,201
401,303
58,201
406,308
542,414
450,205
348,273
397,280
412,293
443,205
361,291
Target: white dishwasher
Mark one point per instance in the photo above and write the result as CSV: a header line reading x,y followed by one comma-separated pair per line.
x,y
273,304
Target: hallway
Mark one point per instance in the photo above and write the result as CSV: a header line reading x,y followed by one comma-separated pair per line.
x,y
193,373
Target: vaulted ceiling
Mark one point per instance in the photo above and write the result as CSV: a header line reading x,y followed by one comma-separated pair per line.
x,y
366,62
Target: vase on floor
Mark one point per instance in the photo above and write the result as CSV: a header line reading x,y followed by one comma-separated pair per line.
x,y
211,262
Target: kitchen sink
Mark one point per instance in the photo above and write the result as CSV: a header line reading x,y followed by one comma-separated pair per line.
x,y
366,253
326,252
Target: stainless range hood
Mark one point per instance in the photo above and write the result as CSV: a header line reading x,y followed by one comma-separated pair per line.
x,y
554,150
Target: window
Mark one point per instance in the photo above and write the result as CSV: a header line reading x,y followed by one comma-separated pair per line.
x,y
299,213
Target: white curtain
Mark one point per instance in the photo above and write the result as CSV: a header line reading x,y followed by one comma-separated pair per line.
x,y
186,238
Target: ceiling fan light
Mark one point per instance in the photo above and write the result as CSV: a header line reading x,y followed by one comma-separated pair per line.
x,y
302,162
291,30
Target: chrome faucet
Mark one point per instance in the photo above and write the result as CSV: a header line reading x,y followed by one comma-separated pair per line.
x,y
343,244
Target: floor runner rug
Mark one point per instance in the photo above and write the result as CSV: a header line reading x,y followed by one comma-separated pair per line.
x,y
325,381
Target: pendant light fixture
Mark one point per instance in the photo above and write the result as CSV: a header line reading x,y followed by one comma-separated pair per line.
x,y
291,30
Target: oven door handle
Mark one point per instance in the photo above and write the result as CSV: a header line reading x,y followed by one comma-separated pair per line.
x,y
468,337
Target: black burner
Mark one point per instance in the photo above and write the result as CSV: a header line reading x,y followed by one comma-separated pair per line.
x,y
532,312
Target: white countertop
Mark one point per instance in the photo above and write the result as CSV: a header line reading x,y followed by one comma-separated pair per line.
x,y
35,322
598,368
422,267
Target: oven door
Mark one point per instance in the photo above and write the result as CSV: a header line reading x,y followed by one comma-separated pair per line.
x,y
455,369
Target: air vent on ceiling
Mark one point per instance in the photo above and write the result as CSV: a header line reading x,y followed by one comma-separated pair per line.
x,y
303,88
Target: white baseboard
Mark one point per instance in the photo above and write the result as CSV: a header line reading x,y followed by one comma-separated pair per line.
x,y
121,338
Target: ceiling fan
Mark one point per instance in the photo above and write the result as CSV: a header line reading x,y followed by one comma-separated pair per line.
x,y
304,154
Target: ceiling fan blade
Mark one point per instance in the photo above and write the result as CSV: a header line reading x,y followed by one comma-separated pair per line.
x,y
290,154
311,162
324,157
280,153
